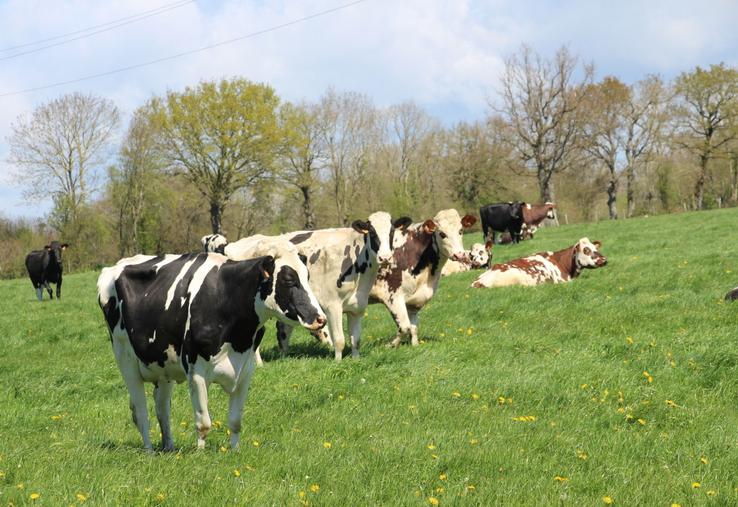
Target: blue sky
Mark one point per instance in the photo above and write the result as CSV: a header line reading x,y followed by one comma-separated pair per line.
x,y
445,55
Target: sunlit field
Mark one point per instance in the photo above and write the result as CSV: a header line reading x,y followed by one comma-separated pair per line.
x,y
620,387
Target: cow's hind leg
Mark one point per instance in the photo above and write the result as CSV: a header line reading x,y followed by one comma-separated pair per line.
x,y
199,396
163,399
58,289
139,411
39,293
335,329
238,398
412,314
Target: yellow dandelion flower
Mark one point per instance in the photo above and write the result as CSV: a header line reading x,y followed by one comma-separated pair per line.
x,y
443,335
217,424
474,396
671,404
582,455
223,449
434,456
432,500
711,492
236,473
418,493
255,443
629,339
34,496
469,331
249,468
431,446
440,490
560,478
703,460
314,488
648,376
473,441
327,445
2,474
696,485
57,417
301,494
500,400
456,394
442,477
161,497
20,485
470,487
608,500
642,422
525,418
676,505
82,498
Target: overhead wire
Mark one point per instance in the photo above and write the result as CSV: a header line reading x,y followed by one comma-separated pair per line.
x,y
143,15
186,53
90,34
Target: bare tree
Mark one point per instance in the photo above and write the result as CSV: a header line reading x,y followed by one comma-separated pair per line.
x,y
540,99
348,129
302,154
59,146
707,117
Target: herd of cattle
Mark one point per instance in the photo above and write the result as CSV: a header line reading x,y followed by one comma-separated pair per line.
x,y
200,316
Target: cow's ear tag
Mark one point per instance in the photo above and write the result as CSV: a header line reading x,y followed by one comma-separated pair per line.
x,y
468,221
429,226
267,266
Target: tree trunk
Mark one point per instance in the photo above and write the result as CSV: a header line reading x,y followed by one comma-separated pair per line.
x,y
216,217
307,208
734,181
630,190
699,187
612,196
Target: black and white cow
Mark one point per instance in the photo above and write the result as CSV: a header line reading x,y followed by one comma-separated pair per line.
x,y
200,318
513,217
44,267
420,253
214,243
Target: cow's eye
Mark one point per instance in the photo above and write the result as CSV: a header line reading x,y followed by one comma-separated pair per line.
x,y
443,235
587,251
461,231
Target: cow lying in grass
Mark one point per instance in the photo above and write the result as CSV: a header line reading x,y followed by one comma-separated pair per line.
x,y
545,267
478,258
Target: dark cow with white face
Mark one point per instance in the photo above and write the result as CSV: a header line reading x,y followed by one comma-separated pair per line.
x,y
214,243
420,253
44,267
343,265
200,318
545,267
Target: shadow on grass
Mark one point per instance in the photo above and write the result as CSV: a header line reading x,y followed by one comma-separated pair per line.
x,y
299,350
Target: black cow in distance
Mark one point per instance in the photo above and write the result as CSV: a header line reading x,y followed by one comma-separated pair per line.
x,y
44,267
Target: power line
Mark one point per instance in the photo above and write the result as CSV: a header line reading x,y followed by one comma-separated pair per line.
x,y
142,15
185,53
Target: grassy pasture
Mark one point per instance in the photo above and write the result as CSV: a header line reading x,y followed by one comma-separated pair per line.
x,y
620,386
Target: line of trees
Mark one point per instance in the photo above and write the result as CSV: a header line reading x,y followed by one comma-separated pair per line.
x,y
232,157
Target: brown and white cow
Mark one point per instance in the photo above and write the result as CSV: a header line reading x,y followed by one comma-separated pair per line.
x,y
420,253
478,257
534,214
545,267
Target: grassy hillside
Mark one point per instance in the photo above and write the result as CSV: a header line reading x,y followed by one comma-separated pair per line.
x,y
620,386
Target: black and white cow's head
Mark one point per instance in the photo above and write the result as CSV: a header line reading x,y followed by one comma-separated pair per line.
x,y
381,230
286,294
478,255
448,226
214,243
587,254
55,250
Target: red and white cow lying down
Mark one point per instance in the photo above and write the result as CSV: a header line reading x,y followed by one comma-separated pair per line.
x,y
478,258
420,252
545,267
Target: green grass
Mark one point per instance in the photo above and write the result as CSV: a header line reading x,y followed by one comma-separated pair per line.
x,y
397,419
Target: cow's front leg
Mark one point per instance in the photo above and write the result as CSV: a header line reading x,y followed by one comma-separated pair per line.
x,y
58,289
48,289
39,293
334,315
401,318
163,399
238,398
199,397
354,325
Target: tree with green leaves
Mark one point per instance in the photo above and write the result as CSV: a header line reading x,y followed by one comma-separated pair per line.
x,y
707,117
223,136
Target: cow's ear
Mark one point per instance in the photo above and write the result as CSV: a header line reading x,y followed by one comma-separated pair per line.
x,y
403,223
47,247
468,221
361,226
267,267
65,246
597,243
429,226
